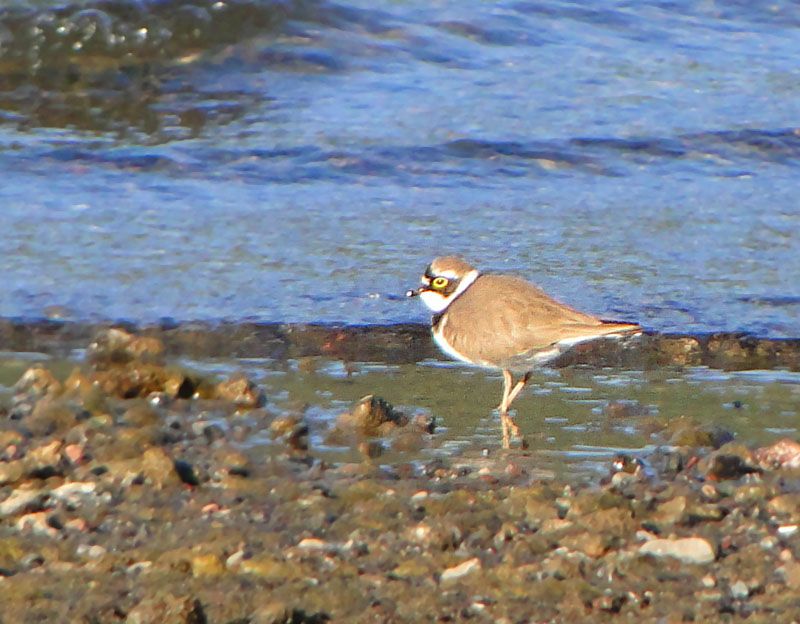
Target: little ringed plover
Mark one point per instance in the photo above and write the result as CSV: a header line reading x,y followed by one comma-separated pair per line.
x,y
505,323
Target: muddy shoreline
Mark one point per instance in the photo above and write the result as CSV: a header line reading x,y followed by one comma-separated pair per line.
x,y
396,344
129,493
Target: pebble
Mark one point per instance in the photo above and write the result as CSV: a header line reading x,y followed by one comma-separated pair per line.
x,y
739,590
37,523
708,581
234,560
784,453
790,572
12,471
95,552
74,491
313,543
461,570
20,500
787,530
785,505
74,454
688,549
159,468
207,566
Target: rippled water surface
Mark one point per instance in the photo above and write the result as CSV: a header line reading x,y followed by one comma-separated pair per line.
x,y
302,161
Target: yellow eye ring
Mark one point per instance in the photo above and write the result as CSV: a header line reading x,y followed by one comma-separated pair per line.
x,y
439,283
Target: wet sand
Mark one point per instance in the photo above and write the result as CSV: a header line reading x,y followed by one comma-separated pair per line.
x,y
130,491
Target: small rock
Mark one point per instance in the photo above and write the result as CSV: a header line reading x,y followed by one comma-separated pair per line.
x,y
240,391
232,461
50,415
167,608
739,590
233,562
159,468
37,382
371,416
95,551
20,501
177,385
10,442
186,473
688,433
785,505
594,545
751,493
732,461
461,570
787,530
269,568
207,566
11,472
293,429
688,549
670,512
313,543
38,523
131,381
43,461
210,431
784,453
680,351
118,346
139,566
73,453
708,581
790,572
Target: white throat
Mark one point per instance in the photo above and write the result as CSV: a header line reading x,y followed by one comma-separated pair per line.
x,y
438,302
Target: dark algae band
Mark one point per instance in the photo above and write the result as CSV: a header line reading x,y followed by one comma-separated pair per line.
x,y
399,344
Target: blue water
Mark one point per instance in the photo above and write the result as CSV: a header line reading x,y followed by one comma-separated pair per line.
x,y
305,161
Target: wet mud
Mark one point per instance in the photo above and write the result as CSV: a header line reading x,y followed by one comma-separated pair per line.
x,y
399,343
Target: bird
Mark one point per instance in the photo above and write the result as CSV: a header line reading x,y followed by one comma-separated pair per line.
x,y
504,322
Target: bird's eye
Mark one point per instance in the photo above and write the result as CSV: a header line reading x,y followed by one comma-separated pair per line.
x,y
439,283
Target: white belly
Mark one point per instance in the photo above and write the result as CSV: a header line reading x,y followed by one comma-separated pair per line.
x,y
441,342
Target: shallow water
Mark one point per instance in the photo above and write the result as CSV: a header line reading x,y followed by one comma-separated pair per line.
x,y
575,420
303,161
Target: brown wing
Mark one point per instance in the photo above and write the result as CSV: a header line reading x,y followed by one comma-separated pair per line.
x,y
502,316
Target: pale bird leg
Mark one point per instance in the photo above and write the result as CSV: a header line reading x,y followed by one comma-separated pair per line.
x,y
506,437
508,381
518,388
510,392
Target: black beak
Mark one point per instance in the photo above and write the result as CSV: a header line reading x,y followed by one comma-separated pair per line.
x,y
413,292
